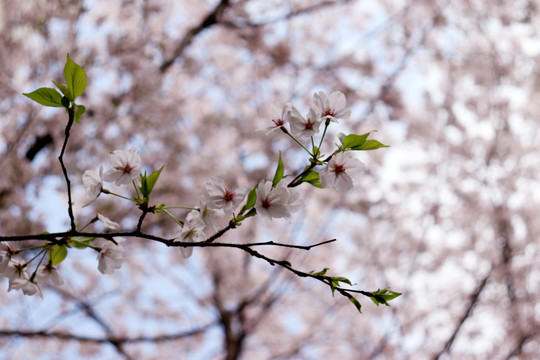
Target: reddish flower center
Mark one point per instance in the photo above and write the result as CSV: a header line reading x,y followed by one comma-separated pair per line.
x,y
339,169
127,169
228,196
329,112
266,203
309,124
279,122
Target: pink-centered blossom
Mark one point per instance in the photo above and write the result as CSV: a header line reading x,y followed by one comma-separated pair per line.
x,y
306,127
126,166
209,216
220,196
333,107
111,256
279,118
93,182
278,202
193,231
48,272
340,171
14,270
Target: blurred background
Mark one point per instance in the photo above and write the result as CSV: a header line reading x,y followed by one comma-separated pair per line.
x,y
447,215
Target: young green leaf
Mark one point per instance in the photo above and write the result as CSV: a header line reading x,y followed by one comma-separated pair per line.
x,y
353,141
383,296
80,242
312,178
279,172
149,181
320,273
46,96
251,200
371,145
356,303
57,254
80,111
63,88
75,78
342,279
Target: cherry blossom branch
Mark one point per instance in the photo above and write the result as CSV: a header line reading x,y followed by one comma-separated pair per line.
x,y
60,236
71,113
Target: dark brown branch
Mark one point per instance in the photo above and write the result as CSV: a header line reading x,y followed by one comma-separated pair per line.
x,y
210,20
57,237
71,112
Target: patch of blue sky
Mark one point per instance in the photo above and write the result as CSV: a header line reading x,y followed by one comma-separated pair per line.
x,y
49,202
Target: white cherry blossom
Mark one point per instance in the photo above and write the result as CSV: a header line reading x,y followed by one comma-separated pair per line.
x,y
220,196
111,256
126,166
28,287
93,182
340,171
193,231
333,107
278,202
305,127
209,216
48,272
279,118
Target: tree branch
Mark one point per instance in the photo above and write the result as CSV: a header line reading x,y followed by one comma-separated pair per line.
x,y
71,113
210,20
464,317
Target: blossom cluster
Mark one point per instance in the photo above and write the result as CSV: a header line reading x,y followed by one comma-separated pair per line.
x,y
222,201
219,201
126,167
18,276
323,109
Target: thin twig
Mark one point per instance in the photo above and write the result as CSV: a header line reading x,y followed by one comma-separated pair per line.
x,y
71,113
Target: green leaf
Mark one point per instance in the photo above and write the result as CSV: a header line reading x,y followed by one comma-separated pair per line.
x,y
64,89
152,179
333,285
371,145
312,178
383,296
356,303
342,279
251,200
75,78
148,182
353,141
320,273
46,96
80,111
279,172
80,242
57,254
